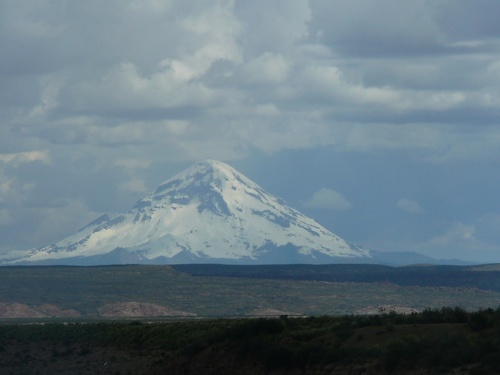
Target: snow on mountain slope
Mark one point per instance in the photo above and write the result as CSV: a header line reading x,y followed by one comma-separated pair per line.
x,y
207,212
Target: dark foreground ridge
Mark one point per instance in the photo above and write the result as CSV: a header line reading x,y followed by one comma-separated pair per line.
x,y
449,340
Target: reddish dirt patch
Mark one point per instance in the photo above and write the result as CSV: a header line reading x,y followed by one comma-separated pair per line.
x,y
18,310
138,309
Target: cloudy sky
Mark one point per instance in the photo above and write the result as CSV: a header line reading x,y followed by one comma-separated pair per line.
x,y
380,119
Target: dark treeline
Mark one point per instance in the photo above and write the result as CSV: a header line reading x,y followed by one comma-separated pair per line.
x,y
450,276
433,341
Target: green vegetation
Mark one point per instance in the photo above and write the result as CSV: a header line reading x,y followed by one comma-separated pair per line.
x,y
486,277
252,290
434,341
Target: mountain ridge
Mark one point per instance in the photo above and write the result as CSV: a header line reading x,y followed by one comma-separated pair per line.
x,y
207,213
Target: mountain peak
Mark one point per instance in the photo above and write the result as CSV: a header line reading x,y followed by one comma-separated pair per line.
x,y
208,166
215,164
207,213
204,172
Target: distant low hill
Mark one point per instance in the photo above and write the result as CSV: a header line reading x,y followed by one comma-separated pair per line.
x,y
486,277
184,291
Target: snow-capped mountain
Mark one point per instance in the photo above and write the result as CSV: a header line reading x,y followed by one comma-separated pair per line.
x,y
207,213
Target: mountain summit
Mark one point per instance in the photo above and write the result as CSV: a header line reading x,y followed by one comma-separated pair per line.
x,y
207,213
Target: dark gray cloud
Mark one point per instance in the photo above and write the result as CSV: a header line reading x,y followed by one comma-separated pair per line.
x,y
379,29
473,21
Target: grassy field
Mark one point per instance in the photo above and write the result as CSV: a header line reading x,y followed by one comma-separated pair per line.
x,y
87,289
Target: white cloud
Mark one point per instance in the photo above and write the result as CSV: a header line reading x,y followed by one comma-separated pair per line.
x,y
461,241
19,158
222,68
51,85
267,68
8,191
124,88
458,234
409,206
11,190
328,199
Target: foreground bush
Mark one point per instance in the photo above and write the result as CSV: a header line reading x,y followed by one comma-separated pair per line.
x,y
445,340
